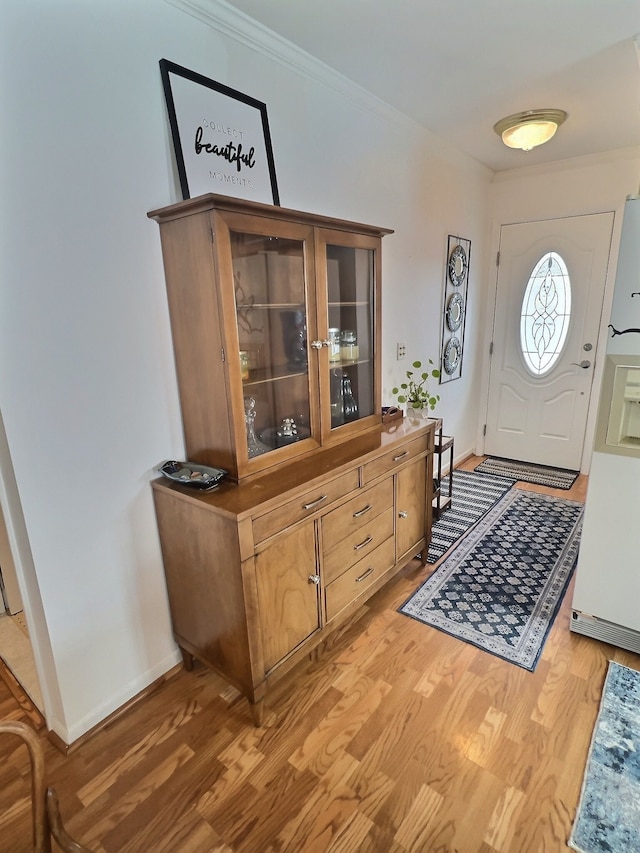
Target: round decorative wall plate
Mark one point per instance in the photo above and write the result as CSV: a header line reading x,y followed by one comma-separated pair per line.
x,y
457,266
455,312
452,355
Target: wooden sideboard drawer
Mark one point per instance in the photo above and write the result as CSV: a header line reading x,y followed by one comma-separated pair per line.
x,y
304,505
388,462
343,520
359,578
358,544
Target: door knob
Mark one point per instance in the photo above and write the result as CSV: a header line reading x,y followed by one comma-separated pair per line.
x,y
583,364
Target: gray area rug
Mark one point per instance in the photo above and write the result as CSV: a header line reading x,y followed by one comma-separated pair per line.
x,y
501,588
526,472
472,496
608,817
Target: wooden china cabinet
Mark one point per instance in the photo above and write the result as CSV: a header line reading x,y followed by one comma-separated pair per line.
x,y
275,318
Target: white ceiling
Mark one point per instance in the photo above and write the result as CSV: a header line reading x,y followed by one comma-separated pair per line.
x,y
457,66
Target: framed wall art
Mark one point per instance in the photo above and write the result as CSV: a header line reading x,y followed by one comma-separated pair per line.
x,y
220,136
454,311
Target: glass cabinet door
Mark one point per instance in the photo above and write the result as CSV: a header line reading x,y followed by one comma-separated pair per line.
x,y
272,321
351,274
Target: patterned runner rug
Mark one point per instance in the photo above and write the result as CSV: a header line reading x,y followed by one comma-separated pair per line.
x,y
608,817
526,472
473,495
501,588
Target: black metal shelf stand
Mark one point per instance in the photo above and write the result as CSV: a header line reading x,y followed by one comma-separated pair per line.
x,y
442,498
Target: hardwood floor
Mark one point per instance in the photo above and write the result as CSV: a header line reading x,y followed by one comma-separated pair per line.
x,y
397,738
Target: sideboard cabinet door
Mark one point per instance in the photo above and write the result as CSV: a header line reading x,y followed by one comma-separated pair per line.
x,y
288,593
412,506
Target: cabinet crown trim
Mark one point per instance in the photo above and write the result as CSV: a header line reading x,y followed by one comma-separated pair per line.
x,y
213,201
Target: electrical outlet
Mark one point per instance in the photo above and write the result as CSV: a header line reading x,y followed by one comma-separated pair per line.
x,y
401,351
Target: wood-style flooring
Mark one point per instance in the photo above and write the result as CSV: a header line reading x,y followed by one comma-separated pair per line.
x,y
397,738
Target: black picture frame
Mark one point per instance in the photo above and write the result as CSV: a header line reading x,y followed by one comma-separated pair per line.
x,y
221,137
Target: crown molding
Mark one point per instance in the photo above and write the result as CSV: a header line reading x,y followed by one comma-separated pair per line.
x,y
580,162
248,32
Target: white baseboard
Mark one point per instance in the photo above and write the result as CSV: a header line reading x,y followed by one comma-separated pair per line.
x,y
69,734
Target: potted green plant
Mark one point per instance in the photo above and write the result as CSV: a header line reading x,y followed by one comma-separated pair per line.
x,y
415,391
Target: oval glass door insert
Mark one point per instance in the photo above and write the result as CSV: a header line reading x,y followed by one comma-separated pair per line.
x,y
545,314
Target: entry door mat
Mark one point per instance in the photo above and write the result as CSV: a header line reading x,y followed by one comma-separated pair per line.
x,y
501,588
608,816
473,495
526,472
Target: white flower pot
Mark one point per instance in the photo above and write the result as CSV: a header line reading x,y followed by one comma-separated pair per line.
x,y
418,413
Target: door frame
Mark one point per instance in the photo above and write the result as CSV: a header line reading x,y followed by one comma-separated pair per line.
x,y
27,581
600,343
12,598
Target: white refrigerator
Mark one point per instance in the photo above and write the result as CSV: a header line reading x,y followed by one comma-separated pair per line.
x,y
606,601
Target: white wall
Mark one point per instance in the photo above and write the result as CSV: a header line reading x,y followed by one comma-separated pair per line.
x,y
567,188
87,384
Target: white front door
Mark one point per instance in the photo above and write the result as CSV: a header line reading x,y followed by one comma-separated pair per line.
x,y
533,417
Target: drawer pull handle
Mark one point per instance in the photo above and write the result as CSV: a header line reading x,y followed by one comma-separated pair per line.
x,y
362,544
403,514
314,579
362,511
315,503
366,574
401,456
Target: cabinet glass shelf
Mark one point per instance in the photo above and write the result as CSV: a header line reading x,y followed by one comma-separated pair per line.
x,y
279,306
271,374
349,362
348,304
274,374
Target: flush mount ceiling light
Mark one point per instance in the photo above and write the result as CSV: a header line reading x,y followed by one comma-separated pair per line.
x,y
528,129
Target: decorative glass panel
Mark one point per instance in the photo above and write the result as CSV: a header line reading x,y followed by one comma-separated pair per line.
x,y
271,313
350,283
545,314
